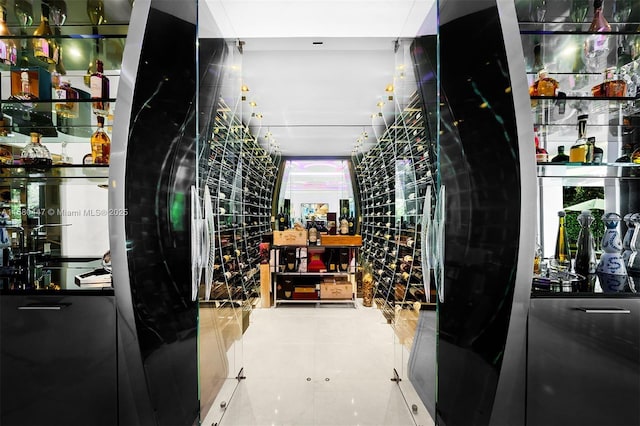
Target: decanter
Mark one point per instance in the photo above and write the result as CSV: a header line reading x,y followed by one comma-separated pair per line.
x,y
611,261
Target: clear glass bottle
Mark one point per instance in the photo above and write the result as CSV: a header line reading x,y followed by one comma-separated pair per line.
x,y
100,144
34,153
561,157
44,46
562,255
579,152
99,84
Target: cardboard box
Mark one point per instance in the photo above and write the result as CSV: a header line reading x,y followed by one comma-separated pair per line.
x,y
290,237
336,291
342,240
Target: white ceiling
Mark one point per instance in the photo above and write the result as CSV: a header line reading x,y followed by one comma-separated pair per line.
x,y
317,99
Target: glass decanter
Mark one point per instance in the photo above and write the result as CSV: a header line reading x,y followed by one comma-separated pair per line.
x,y
34,153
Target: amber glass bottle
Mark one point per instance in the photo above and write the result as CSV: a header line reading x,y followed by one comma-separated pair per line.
x,y
100,144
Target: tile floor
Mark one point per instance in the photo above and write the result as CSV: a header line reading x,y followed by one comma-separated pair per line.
x,y
312,365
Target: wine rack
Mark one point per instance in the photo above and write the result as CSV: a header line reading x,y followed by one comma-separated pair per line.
x,y
393,177
240,176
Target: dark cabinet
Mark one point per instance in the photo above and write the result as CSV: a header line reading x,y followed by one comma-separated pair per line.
x,y
58,359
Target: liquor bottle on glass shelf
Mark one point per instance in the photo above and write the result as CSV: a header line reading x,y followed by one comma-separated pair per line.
x,y
562,255
561,157
34,153
542,156
596,152
579,152
585,263
100,144
596,47
64,92
44,45
612,86
611,270
99,84
8,49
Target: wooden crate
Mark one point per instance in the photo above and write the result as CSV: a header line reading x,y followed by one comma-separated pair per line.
x,y
290,237
341,240
336,291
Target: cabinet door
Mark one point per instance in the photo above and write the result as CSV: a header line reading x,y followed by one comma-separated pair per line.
x,y
58,358
583,362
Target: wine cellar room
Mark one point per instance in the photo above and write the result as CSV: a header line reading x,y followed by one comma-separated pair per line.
x,y
249,212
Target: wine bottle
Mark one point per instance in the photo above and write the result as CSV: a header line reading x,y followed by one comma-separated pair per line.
x,y
99,84
313,232
281,220
100,144
562,255
344,223
351,224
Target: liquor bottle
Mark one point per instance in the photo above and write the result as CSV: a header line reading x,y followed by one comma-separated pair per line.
x,y
627,150
34,153
626,241
578,11
612,85
24,95
561,157
596,47
579,152
544,85
611,261
599,22
562,255
44,45
351,227
57,17
95,11
586,252
100,144
542,156
312,232
99,84
8,50
596,152
537,258
281,220
63,91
